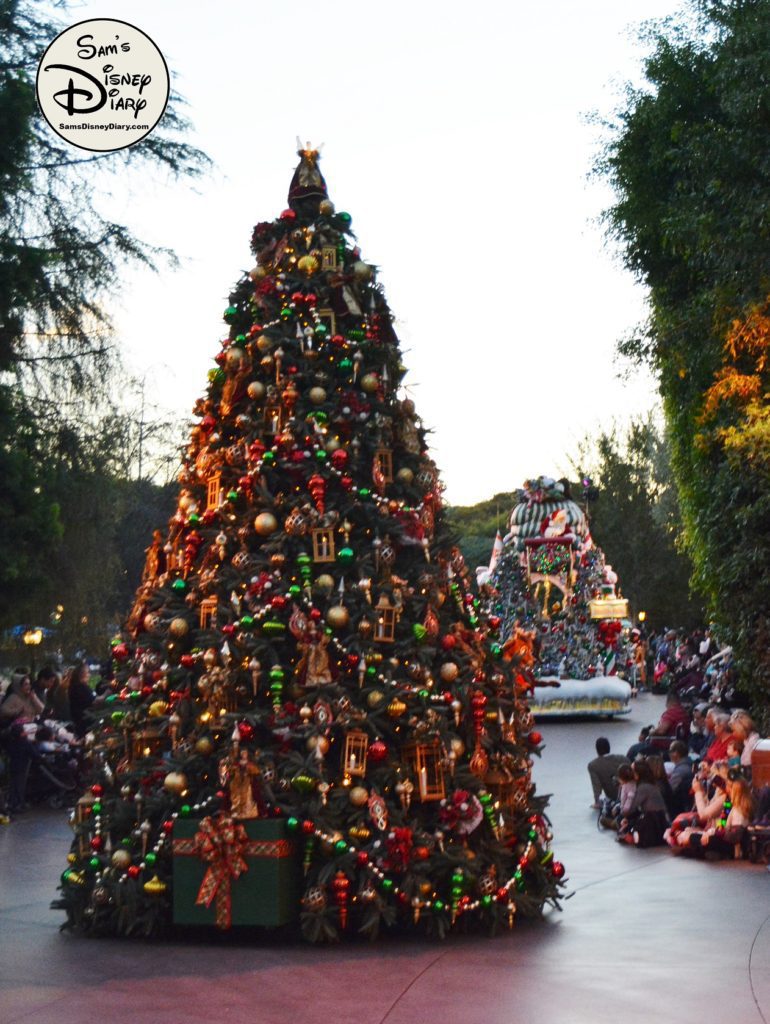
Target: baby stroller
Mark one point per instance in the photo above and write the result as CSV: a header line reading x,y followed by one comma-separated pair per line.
x,y
53,780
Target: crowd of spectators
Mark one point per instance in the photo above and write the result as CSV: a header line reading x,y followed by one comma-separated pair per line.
x,y
693,665
42,725
685,782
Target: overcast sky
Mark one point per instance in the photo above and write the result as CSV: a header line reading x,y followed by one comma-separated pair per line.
x,y
456,135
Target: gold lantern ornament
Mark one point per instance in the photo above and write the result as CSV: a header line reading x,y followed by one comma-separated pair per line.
x,y
323,544
355,754
385,622
425,761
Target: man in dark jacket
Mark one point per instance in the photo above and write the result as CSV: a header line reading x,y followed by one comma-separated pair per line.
x,y
602,771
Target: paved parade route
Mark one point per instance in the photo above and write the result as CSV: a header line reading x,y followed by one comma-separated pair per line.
x,y
644,937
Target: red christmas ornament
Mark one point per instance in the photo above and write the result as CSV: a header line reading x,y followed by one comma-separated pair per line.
x,y
120,652
288,215
97,843
535,738
308,827
208,423
187,661
341,887
256,451
558,869
362,858
133,871
97,790
229,629
339,458
168,826
448,642
316,485
315,614
246,731
377,751
502,894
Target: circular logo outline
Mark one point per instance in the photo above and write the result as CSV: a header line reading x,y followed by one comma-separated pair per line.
x,y
40,72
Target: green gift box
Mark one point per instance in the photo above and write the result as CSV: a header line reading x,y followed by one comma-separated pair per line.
x,y
228,872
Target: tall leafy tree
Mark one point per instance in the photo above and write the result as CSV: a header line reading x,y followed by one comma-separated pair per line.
x,y
689,159
60,259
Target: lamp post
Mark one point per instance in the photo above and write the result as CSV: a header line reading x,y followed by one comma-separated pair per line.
x,y
642,616
32,639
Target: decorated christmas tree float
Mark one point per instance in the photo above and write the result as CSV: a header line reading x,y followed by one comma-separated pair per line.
x,y
555,598
312,719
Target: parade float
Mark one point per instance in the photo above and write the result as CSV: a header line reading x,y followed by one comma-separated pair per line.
x,y
561,615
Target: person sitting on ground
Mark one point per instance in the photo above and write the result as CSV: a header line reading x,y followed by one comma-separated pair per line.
x,y
603,771
626,793
708,789
680,779
742,727
699,737
729,812
660,778
734,751
718,723
20,701
646,821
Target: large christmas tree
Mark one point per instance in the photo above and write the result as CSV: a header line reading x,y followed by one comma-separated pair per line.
x,y
312,717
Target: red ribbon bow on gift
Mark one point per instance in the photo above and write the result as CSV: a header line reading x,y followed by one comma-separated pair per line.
x,y
222,845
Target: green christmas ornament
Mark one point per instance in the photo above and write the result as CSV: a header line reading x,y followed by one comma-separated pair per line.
x,y
344,217
321,455
344,366
272,628
292,824
356,334
295,590
150,858
230,314
341,846
247,621
94,863
345,556
117,716
179,585
303,783
364,493
269,458
303,559
321,330
419,632
184,811
232,496
286,313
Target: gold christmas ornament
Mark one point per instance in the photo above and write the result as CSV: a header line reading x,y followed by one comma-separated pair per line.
x,y
178,627
307,265
456,746
405,475
264,344
210,657
234,359
338,616
326,207
157,708
396,708
449,672
358,796
265,524
204,746
258,273
324,583
319,743
317,396
369,383
120,859
154,887
256,391
175,782
375,698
